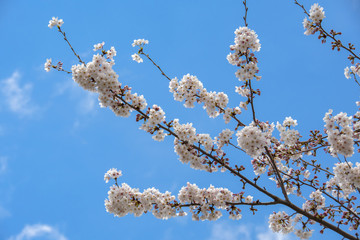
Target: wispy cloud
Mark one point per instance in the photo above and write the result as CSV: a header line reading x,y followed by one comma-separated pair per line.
x,y
223,231
17,97
39,230
269,235
86,101
4,213
3,164
230,231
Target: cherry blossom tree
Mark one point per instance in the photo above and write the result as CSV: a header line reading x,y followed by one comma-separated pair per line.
x,y
311,192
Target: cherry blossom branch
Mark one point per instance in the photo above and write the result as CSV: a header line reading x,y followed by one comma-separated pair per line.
x,y
252,102
281,183
316,167
302,6
256,203
141,51
337,43
119,98
324,192
63,70
221,162
274,197
277,173
308,150
72,49
355,79
321,221
236,147
60,69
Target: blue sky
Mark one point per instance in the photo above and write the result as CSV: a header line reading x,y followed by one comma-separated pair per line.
x,y
56,143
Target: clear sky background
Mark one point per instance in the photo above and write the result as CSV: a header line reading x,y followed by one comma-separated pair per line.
x,y
56,143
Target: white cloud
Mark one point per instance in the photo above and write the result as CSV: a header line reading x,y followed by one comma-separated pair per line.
x,y
223,231
39,230
231,231
17,98
269,235
86,101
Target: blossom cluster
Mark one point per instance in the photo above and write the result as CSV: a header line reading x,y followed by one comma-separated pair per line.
x,y
281,222
136,57
48,65
191,90
259,164
123,200
346,177
208,199
223,138
186,136
138,42
230,112
352,70
316,15
55,22
247,72
99,76
253,141
340,139
112,174
202,203
155,116
287,135
300,233
245,39
98,46
317,203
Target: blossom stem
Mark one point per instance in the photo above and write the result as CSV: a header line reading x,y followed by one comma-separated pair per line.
x,y
246,10
278,176
65,38
148,57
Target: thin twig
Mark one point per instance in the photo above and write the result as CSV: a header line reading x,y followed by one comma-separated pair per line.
x,y
236,147
147,55
277,173
324,192
246,10
65,38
